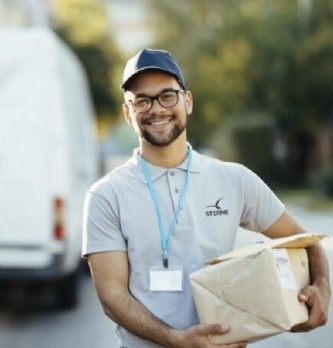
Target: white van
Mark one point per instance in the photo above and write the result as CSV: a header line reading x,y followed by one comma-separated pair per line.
x,y
48,159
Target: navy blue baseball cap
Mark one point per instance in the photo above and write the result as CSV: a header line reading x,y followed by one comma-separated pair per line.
x,y
151,59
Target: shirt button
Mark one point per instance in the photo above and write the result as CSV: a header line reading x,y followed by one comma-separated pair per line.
x,y
172,173
176,190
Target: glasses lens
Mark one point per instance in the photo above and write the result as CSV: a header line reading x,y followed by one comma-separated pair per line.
x,y
142,104
168,99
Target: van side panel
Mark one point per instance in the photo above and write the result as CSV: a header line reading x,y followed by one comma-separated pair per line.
x,y
47,151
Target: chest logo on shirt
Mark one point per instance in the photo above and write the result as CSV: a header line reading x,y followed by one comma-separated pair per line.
x,y
216,209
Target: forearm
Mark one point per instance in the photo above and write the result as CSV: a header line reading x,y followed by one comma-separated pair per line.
x,y
109,271
110,275
130,314
319,267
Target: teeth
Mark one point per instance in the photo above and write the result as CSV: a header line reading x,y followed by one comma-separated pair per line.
x,y
159,123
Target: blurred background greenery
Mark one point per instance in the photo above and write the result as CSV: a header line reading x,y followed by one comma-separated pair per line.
x,y
261,73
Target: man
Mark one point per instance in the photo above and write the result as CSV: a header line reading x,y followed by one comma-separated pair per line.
x,y
153,221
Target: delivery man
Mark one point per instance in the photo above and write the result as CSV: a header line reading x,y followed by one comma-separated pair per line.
x,y
169,209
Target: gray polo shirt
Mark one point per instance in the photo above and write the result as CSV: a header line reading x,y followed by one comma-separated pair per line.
x,y
120,215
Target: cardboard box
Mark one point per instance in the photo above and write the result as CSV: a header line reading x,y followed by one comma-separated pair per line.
x,y
255,289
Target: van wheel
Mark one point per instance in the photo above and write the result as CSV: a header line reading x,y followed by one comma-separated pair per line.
x,y
67,291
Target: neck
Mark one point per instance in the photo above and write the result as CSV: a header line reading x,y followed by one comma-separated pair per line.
x,y
164,156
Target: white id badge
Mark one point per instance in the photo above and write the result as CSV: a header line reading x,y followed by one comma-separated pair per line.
x,y
166,279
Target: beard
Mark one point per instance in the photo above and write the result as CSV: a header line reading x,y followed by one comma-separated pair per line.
x,y
166,139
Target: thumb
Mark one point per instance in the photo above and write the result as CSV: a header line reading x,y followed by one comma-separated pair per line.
x,y
302,298
214,329
304,295
225,328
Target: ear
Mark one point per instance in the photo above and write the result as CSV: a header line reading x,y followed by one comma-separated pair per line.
x,y
188,103
127,114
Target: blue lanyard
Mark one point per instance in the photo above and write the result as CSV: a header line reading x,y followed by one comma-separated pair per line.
x,y
165,239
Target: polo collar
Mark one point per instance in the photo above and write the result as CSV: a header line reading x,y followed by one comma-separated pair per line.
x,y
155,171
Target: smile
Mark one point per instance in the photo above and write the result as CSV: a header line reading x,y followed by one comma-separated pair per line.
x,y
159,123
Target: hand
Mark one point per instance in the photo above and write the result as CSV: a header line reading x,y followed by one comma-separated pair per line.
x,y
199,337
317,299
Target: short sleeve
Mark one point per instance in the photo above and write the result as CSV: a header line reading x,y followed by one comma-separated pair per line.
x,y
101,227
261,207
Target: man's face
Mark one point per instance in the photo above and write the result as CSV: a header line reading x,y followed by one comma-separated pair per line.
x,y
159,126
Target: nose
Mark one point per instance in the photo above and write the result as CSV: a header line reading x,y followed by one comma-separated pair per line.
x,y
155,105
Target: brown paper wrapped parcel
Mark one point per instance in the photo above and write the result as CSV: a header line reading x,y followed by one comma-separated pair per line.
x,y
255,289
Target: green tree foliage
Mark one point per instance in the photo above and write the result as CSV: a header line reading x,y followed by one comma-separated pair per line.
x,y
247,56
82,24
97,66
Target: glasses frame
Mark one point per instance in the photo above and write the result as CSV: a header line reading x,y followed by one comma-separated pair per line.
x,y
156,97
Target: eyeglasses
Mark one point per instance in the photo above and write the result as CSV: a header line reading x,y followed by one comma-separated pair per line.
x,y
166,99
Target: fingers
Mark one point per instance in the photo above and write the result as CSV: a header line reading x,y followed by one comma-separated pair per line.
x,y
218,330
213,329
305,295
200,336
225,328
208,331
235,345
303,298
318,311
